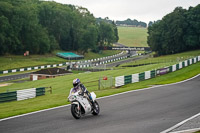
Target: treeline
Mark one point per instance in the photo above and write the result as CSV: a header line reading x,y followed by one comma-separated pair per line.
x,y
130,22
41,27
106,19
177,32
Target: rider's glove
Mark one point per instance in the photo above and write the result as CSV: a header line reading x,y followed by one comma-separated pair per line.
x,y
81,93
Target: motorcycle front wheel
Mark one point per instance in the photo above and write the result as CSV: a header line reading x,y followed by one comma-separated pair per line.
x,y
76,113
97,108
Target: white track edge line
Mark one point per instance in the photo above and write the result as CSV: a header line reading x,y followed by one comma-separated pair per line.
x,y
150,87
97,98
179,124
33,112
188,131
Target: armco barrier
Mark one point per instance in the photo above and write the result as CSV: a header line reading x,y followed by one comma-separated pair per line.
x,y
186,63
40,91
183,64
141,76
21,94
80,64
173,68
147,74
170,69
123,80
119,81
99,62
26,94
153,73
128,79
8,96
180,65
135,78
177,66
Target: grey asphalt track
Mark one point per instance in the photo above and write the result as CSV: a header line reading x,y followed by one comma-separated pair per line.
x,y
145,111
26,75
114,64
14,77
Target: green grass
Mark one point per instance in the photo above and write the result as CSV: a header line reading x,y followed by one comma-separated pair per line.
x,y
16,61
133,36
62,85
64,81
166,60
173,77
19,61
91,55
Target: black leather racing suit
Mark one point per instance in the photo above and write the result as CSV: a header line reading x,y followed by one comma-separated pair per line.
x,y
84,90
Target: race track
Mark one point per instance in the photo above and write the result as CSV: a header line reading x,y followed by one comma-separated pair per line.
x,y
149,110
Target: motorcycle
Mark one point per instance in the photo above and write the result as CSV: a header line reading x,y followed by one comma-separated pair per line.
x,y
81,105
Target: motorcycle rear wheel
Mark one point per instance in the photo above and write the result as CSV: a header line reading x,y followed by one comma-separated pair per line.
x,y
76,113
97,108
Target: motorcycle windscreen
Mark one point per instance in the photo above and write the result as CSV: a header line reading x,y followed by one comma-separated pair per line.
x,y
93,96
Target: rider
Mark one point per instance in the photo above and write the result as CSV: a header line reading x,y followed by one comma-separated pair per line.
x,y
79,86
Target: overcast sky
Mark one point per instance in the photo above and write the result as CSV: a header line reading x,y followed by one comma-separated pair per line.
x,y
142,10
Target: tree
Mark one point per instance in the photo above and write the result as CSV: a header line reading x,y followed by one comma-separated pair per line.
x,y
116,37
89,39
43,26
5,39
106,34
56,18
192,36
176,32
130,22
150,23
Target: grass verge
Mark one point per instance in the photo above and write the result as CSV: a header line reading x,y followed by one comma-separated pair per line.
x,y
17,61
62,85
165,60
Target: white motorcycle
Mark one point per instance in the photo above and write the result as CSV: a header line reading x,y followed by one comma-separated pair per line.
x,y
80,105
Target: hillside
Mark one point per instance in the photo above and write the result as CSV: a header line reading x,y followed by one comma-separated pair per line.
x,y
133,36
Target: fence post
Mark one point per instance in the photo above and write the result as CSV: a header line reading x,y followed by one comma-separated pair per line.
x,y
99,84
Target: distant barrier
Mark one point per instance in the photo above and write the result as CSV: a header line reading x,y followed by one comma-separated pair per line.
x,y
132,48
126,48
79,64
98,62
21,94
123,80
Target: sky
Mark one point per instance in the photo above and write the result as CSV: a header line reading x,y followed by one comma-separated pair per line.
x,y
141,10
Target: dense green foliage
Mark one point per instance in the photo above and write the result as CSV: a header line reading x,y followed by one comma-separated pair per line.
x,y
176,32
43,26
106,19
130,22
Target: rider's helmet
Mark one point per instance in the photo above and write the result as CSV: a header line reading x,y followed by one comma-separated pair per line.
x,y
76,82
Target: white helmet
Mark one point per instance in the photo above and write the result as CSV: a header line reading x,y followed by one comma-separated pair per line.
x,y
76,82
